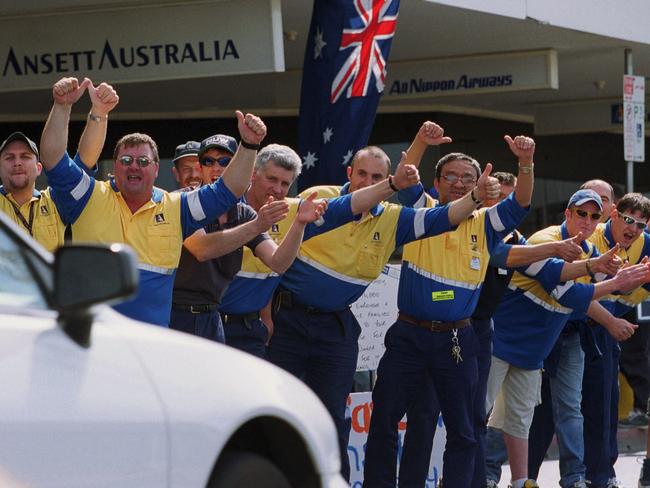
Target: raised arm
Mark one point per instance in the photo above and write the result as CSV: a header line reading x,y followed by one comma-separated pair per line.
x,y
406,175
279,258
238,174
104,99
54,140
430,134
205,246
606,264
524,148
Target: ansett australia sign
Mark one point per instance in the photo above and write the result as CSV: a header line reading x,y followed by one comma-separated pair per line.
x,y
147,43
473,74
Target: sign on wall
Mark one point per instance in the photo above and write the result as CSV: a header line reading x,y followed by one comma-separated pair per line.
x,y
503,72
634,118
141,43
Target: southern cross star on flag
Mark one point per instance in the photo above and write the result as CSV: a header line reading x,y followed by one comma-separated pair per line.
x,y
343,78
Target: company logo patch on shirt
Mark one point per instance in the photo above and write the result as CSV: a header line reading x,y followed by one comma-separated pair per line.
x,y
474,238
439,296
44,210
275,228
376,237
160,218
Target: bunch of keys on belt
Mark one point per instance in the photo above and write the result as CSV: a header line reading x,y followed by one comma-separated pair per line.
x,y
455,348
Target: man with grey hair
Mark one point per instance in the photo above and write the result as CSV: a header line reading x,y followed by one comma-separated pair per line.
x,y
212,256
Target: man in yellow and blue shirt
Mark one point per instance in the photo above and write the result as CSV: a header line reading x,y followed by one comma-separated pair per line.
x,y
32,210
439,287
129,209
625,227
315,333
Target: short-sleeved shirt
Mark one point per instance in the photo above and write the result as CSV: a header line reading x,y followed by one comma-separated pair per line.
x,y
99,213
534,310
201,283
333,270
602,238
441,276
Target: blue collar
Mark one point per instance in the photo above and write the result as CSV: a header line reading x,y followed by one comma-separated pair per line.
x,y
608,234
565,235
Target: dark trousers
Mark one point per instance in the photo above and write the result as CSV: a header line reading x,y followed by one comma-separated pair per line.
x,y
600,408
205,324
412,356
635,364
321,349
422,417
246,333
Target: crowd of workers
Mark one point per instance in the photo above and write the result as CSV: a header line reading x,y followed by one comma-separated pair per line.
x,y
489,323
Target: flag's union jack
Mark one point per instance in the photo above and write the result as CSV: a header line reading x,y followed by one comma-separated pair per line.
x,y
366,57
343,79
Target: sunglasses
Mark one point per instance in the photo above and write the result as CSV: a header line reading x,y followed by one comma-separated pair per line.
x,y
583,214
222,161
141,161
465,179
640,224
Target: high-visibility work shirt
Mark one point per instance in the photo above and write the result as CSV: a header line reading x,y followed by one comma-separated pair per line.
x,y
536,307
332,270
620,304
39,213
156,231
441,277
253,286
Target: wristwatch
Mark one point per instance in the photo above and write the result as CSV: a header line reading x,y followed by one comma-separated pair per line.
x,y
97,118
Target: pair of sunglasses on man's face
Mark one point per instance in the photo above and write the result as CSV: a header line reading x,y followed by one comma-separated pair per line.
x,y
583,214
640,224
209,161
141,161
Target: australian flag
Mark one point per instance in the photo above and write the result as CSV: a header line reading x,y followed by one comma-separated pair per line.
x,y
343,78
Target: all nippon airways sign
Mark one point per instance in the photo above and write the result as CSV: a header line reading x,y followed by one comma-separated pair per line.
x,y
514,71
160,42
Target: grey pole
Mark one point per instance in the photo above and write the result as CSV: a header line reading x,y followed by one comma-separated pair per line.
x,y
629,70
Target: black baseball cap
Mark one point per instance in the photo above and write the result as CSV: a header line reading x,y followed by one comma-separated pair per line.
x,y
190,148
220,141
19,136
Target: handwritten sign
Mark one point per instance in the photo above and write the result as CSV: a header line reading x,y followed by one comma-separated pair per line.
x,y
376,311
360,411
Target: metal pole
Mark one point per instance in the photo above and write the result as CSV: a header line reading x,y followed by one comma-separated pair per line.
x,y
629,70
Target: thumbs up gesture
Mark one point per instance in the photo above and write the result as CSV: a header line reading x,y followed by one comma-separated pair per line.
x,y
569,249
487,187
608,263
523,147
67,91
103,97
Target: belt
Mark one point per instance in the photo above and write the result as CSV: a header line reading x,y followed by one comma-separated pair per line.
x,y
196,308
285,299
237,317
433,325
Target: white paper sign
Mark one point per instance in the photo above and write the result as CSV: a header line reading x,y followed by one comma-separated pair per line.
x,y
376,311
634,118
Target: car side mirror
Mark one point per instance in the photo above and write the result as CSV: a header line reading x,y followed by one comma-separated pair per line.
x,y
85,275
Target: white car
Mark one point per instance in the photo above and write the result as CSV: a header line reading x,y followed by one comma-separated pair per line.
x,y
89,398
